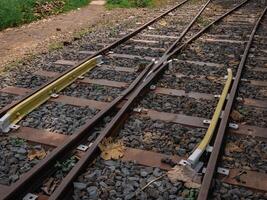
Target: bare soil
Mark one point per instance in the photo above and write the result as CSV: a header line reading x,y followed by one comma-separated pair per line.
x,y
39,37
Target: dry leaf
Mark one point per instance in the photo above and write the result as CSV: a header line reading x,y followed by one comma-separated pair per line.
x,y
236,116
184,174
39,154
231,147
211,78
50,186
111,150
227,158
163,23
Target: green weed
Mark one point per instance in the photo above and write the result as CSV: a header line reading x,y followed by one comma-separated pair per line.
x,y
129,3
17,141
16,12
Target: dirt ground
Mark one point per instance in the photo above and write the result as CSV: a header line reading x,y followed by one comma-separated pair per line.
x,y
37,37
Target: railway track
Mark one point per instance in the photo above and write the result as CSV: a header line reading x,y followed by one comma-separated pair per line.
x,y
159,99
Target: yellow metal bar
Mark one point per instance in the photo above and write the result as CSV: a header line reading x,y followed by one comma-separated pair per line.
x,y
193,158
28,105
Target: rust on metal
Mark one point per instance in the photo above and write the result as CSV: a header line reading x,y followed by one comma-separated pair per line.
x,y
100,52
75,101
174,92
119,55
3,190
103,82
211,167
250,179
258,69
175,118
223,40
40,136
66,62
255,103
159,36
201,63
253,131
46,73
179,93
119,69
258,83
16,90
148,158
145,41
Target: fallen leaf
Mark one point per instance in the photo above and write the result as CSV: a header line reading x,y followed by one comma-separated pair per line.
x,y
227,158
111,150
231,147
109,98
163,23
39,154
211,78
50,186
185,174
236,116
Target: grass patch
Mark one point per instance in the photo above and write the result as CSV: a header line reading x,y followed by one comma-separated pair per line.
x,y
16,12
130,3
202,21
55,46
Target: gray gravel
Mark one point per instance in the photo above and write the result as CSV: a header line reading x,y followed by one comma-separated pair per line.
x,y
112,75
6,99
57,117
139,52
28,80
252,154
251,115
195,84
159,136
179,105
215,52
92,91
14,161
254,75
246,90
201,70
120,180
125,62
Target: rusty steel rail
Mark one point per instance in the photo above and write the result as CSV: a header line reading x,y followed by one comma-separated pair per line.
x,y
212,163
45,167
64,189
100,52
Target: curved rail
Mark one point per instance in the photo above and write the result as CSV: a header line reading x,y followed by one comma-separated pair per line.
x,y
100,52
64,188
45,167
14,115
194,157
211,168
